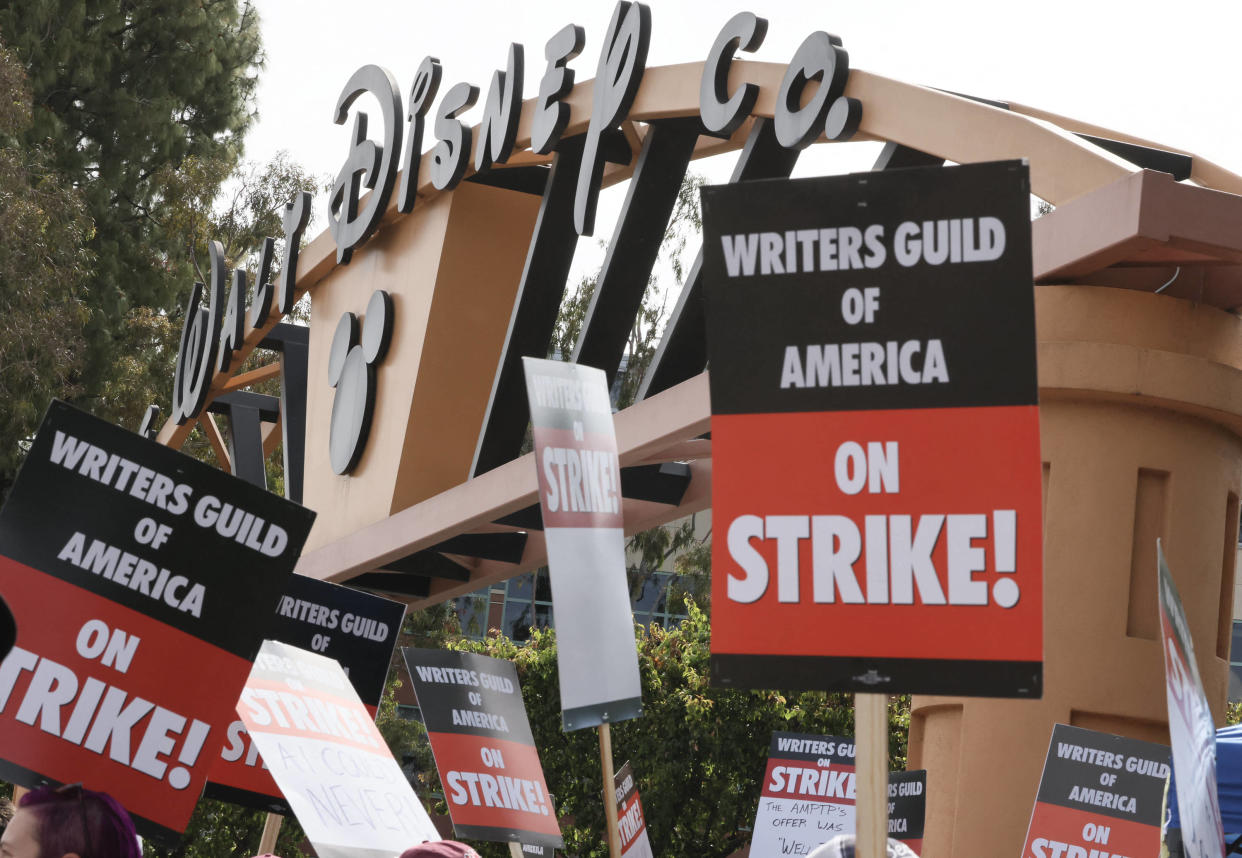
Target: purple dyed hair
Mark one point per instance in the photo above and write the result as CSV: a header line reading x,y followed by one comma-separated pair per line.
x,y
73,819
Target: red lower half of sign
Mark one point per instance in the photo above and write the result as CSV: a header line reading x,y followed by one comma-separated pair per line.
x,y
494,784
630,821
805,781
877,538
1064,832
98,693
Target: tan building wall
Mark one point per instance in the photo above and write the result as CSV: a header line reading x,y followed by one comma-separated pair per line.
x,y
1140,395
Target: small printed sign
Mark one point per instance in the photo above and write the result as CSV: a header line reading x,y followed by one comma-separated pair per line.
x,y
329,760
483,747
808,796
1099,793
907,807
631,822
142,581
580,495
1191,729
357,629
875,433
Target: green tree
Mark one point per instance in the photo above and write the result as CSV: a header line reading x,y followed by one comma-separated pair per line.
x,y
644,337
698,752
193,214
125,94
43,267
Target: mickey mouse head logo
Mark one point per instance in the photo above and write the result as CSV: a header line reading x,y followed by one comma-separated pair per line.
x,y
351,370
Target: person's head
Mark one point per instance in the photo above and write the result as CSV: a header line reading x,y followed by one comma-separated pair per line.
x,y
440,849
69,821
842,846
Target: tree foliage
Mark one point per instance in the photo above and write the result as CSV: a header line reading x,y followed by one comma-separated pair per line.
x,y
644,337
698,752
124,95
44,262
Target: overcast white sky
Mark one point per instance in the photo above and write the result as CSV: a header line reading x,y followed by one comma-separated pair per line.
x,y
1167,70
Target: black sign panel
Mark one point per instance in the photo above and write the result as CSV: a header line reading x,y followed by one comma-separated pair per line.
x,y
941,271
128,565
357,629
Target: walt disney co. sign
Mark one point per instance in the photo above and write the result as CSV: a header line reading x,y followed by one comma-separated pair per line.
x,y
809,103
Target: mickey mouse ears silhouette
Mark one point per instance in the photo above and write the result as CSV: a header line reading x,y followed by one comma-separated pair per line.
x,y
356,349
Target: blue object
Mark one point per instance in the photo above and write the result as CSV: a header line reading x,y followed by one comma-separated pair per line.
x,y
1228,783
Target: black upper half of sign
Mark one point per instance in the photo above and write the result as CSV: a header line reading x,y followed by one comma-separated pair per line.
x,y
811,748
361,629
562,394
907,799
50,503
444,697
1098,754
981,312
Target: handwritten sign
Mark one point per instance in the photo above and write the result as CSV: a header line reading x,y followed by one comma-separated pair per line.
x,y
324,752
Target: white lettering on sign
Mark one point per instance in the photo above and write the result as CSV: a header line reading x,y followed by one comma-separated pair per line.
x,y
894,551
631,822
486,720
808,781
864,364
100,717
483,790
1042,847
569,395
307,714
130,570
800,251
581,480
120,473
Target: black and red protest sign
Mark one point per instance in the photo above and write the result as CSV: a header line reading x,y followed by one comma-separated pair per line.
x,y
359,630
875,433
808,796
142,581
483,746
1099,794
631,821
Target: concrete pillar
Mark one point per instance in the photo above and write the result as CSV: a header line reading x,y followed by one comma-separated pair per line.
x,y
1141,426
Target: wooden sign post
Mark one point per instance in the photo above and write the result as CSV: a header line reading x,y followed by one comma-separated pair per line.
x,y
610,790
871,775
271,831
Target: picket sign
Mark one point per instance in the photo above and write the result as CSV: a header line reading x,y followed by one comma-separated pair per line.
x,y
871,775
610,806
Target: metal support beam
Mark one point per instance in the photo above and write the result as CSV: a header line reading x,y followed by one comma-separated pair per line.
x,y
666,153
507,547
682,352
246,413
293,343
534,311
